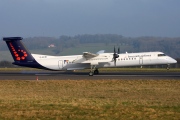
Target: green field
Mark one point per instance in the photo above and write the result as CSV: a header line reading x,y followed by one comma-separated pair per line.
x,y
82,99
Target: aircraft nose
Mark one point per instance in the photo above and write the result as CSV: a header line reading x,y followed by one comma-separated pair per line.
x,y
171,60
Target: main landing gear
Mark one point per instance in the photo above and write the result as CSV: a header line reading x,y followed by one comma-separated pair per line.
x,y
168,67
94,71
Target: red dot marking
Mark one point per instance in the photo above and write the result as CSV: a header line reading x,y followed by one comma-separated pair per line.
x,y
22,58
18,58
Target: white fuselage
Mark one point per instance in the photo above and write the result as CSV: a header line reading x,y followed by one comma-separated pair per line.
x,y
75,62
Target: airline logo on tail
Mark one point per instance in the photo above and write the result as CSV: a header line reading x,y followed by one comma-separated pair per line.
x,y
18,50
19,54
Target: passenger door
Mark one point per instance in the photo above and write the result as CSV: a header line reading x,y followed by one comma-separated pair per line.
x,y
60,63
141,60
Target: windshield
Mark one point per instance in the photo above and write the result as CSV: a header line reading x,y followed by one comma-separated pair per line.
x,y
160,55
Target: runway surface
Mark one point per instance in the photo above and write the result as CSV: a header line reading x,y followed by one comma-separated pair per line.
x,y
56,75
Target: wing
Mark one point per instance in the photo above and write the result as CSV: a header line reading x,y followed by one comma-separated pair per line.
x,y
89,55
101,51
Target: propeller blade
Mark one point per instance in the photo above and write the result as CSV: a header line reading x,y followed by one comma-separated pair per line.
x,y
114,50
118,50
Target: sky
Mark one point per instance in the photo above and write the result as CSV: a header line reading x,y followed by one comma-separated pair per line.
x,y
53,18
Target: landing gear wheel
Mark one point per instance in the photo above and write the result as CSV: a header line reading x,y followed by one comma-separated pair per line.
x,y
168,67
93,67
96,72
91,74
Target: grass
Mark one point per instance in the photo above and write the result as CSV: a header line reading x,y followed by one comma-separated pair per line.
x,y
18,69
100,99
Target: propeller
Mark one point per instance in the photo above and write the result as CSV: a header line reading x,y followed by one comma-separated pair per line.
x,y
118,50
115,55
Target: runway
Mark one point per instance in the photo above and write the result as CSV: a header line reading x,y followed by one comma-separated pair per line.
x,y
56,75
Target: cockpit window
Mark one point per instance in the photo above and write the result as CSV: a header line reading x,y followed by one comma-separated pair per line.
x,y
160,55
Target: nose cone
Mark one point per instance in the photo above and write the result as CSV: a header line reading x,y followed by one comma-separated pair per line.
x,y
171,60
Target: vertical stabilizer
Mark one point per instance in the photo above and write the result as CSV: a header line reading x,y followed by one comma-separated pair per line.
x,y
20,54
18,50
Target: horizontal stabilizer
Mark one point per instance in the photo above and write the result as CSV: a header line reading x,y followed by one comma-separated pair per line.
x,y
12,38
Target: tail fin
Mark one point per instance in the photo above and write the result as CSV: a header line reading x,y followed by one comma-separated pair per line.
x,y
18,50
20,54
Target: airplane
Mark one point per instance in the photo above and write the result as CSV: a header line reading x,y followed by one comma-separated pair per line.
x,y
22,57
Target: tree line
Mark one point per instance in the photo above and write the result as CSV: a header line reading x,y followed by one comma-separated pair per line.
x,y
170,46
